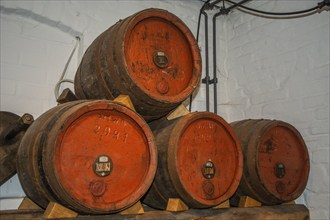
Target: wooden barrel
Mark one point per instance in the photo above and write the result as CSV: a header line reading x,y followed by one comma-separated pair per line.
x,y
151,56
276,161
12,130
94,157
199,161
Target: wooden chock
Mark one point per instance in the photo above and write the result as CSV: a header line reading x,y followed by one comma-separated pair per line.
x,y
66,96
223,205
293,202
136,209
181,110
246,201
176,205
55,210
28,204
125,100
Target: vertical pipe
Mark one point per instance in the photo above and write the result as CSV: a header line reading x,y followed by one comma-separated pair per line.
x,y
215,63
207,77
197,38
215,79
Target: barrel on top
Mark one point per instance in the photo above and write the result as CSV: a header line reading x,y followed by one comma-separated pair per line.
x,y
199,161
276,161
151,56
93,157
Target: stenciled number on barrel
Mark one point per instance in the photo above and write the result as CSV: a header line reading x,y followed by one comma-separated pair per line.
x,y
98,129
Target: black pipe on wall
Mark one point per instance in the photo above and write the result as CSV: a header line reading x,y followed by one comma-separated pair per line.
x,y
206,80
215,80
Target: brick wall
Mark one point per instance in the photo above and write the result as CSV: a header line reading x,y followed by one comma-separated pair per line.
x,y
279,69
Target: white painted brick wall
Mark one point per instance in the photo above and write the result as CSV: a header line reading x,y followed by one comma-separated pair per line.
x,y
279,69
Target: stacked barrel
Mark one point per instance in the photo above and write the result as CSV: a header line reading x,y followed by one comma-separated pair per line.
x,y
150,56
276,161
94,157
200,161
97,155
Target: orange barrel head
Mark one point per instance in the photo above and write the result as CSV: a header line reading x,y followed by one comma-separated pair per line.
x,y
94,157
199,161
276,165
152,56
